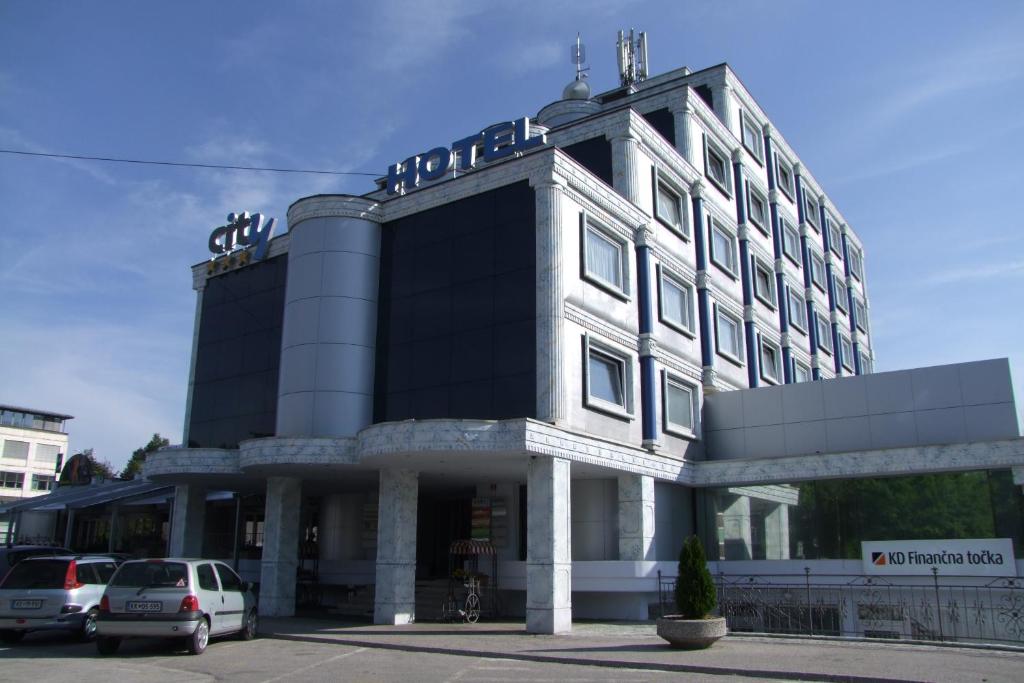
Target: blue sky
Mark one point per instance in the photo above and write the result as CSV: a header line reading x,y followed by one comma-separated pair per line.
x,y
908,113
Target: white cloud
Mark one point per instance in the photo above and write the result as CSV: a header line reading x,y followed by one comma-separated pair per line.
x,y
983,271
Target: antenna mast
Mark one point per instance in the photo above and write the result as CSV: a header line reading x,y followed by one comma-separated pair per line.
x,y
578,55
632,57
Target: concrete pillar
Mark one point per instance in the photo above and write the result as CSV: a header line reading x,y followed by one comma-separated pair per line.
x,y
683,116
625,170
112,538
551,392
636,517
776,533
395,594
280,547
548,546
187,520
736,521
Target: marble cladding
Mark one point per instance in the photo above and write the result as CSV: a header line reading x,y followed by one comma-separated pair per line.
x,y
636,517
548,546
395,593
188,520
280,547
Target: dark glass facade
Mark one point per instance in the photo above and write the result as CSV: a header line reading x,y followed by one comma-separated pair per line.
x,y
239,350
595,155
456,326
664,122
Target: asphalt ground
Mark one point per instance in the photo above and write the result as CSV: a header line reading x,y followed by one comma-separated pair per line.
x,y
322,650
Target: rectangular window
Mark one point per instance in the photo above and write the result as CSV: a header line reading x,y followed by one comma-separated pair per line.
x,y
16,450
42,482
604,259
723,247
846,353
608,378
824,330
751,134
670,209
856,263
835,237
865,364
840,289
716,166
818,270
861,314
764,282
801,373
784,177
810,209
679,405
12,480
729,335
675,299
46,454
757,208
770,361
797,310
790,242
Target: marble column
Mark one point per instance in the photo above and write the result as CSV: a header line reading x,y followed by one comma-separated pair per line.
x,y
280,564
636,517
395,595
548,546
625,169
776,533
683,118
187,521
551,396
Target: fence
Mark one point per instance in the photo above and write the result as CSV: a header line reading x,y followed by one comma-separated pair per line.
x,y
951,609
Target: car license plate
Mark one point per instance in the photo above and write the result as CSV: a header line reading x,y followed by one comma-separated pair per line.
x,y
26,604
139,606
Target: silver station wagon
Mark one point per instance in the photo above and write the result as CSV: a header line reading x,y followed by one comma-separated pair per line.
x,y
175,598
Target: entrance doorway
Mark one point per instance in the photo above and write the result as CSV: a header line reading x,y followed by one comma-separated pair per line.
x,y
442,517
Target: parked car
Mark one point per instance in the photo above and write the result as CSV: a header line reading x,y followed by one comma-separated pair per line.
x,y
11,555
53,593
187,599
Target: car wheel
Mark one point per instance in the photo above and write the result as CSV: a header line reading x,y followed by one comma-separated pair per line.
x,y
12,636
88,631
251,625
107,645
200,637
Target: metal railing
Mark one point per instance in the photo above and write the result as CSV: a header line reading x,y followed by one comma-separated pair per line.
x,y
936,608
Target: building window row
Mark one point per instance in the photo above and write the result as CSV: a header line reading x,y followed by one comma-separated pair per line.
x,y
16,450
12,480
24,420
43,482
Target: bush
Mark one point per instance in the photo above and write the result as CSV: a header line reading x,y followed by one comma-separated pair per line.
x,y
695,590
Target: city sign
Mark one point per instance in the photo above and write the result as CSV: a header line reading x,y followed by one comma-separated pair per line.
x,y
500,140
243,231
948,557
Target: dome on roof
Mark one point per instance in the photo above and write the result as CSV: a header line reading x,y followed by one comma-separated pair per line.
x,y
577,90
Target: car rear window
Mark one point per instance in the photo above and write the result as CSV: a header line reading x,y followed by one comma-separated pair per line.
x,y
151,574
37,574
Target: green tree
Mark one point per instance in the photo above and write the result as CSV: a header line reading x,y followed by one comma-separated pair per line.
x,y
134,465
695,590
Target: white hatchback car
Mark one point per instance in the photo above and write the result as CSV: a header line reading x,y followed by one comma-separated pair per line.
x,y
175,598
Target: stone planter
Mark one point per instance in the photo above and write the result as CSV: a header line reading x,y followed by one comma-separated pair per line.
x,y
691,634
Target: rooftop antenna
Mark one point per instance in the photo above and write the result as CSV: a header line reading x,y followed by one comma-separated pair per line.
x,y
578,89
632,57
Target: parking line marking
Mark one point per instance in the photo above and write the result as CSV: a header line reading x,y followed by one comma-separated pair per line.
x,y
313,666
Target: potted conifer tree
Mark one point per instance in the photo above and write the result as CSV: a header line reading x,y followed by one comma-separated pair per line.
x,y
693,627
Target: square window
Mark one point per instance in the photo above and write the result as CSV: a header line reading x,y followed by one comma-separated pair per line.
x,y
791,242
729,336
669,209
840,290
757,209
675,303
835,237
716,166
770,361
801,373
861,315
824,330
679,405
797,310
846,353
784,177
608,379
764,282
818,271
16,450
751,135
856,263
604,260
723,247
810,209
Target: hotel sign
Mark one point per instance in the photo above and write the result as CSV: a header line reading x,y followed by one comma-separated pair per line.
x,y
500,140
243,231
951,557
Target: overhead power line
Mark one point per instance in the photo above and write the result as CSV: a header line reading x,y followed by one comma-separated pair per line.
x,y
151,162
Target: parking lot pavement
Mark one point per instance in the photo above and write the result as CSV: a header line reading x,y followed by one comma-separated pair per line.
x,y
319,650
